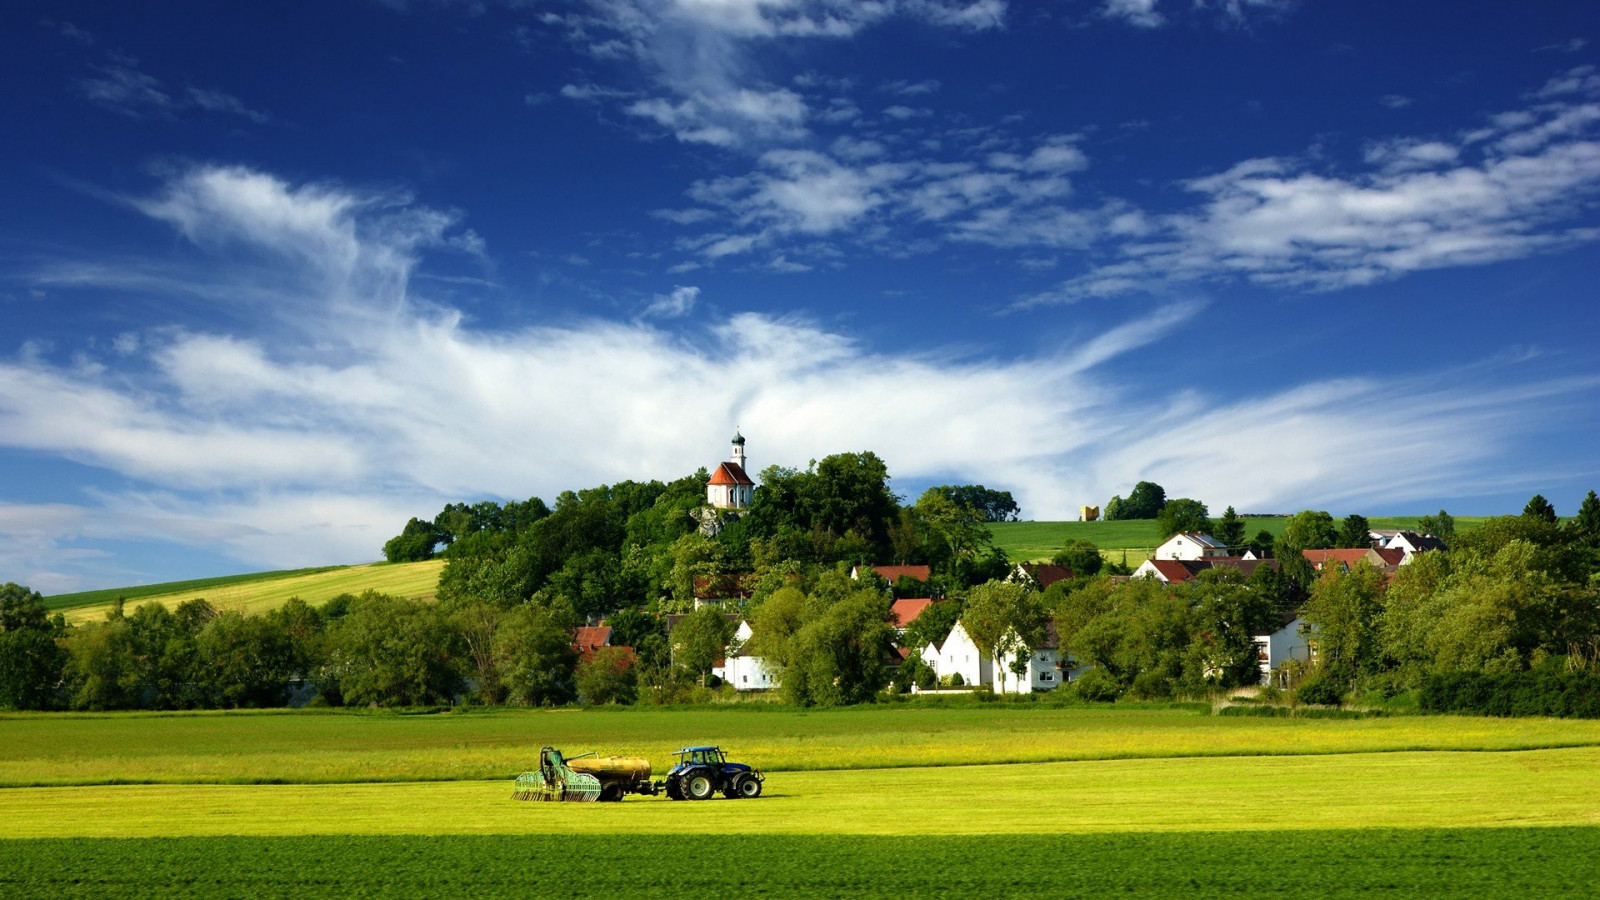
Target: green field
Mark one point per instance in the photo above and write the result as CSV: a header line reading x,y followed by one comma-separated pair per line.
x,y
1025,541
981,798
108,595
267,590
1544,862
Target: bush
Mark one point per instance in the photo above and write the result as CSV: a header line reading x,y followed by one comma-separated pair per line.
x,y
1319,689
1096,686
1543,692
1151,685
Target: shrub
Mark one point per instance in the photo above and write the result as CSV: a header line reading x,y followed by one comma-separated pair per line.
x,y
1151,685
1319,689
1096,686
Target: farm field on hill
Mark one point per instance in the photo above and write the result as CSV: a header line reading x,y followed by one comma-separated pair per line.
x,y
418,579
332,747
1025,541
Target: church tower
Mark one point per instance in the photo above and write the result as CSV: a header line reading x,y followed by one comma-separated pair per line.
x,y
730,487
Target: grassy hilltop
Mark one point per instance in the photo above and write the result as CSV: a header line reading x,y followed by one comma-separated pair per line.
x,y
1032,541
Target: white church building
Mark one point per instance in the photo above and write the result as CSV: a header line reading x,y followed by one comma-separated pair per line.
x,y
730,487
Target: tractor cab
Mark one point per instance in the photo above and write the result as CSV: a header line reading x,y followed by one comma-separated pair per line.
x,y
701,756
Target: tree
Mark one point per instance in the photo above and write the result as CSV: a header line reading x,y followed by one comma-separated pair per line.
x,y
838,656
933,625
1081,556
956,532
1586,524
1263,544
534,655
1344,609
991,505
1442,526
1354,532
1539,508
1144,502
244,661
699,640
1227,613
31,662
1308,529
102,666
1230,531
606,677
1006,621
391,652
415,542
1183,514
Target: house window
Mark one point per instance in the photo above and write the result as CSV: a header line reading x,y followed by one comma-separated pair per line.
x,y
1046,676
745,678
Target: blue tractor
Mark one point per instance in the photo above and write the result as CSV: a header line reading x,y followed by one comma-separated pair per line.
x,y
702,771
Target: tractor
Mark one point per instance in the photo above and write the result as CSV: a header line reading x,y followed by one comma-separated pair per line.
x,y
702,771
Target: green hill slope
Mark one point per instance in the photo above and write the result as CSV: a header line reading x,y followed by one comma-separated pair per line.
x,y
1031,541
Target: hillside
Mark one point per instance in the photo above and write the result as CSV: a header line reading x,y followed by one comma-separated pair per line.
x,y
1029,541
266,590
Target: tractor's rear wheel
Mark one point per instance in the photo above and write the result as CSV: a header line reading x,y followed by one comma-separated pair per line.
x,y
674,789
611,793
747,787
700,786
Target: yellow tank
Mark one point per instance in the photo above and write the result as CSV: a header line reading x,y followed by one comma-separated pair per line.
x,y
608,768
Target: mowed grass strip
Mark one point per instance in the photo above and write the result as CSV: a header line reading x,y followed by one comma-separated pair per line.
x,y
1417,790
419,579
1445,862
337,747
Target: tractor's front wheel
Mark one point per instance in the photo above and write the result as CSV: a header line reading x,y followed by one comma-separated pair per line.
x,y
747,787
701,787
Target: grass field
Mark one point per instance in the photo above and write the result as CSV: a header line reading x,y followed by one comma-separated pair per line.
x,y
255,594
100,597
1544,862
985,799
336,747
1024,541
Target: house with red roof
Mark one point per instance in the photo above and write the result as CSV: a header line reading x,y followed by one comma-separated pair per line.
x,y
1042,575
1177,571
906,611
1383,560
892,574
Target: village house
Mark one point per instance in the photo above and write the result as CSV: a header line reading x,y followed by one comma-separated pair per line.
x,y
1040,575
1190,545
1280,643
741,671
958,655
1384,560
1042,672
1177,571
892,574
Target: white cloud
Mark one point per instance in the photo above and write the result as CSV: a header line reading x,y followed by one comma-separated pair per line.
x,y
1135,12
121,86
674,305
254,448
1506,190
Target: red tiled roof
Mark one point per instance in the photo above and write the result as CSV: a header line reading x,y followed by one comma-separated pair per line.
x,y
1047,573
589,637
720,587
1180,570
730,473
895,573
1393,557
905,611
625,657
1173,570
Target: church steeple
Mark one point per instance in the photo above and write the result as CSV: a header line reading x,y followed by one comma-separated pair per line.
x,y
738,448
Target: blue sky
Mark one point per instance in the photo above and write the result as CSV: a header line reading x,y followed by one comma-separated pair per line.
x,y
275,277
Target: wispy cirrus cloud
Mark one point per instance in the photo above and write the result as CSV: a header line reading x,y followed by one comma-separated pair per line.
x,y
1513,187
253,445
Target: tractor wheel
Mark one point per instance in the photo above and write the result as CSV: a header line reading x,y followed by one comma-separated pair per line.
x,y
674,789
700,786
611,793
747,787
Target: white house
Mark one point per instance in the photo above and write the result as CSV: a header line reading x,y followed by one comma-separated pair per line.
x,y
745,673
958,655
1190,545
1274,648
1411,543
1043,672
729,486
